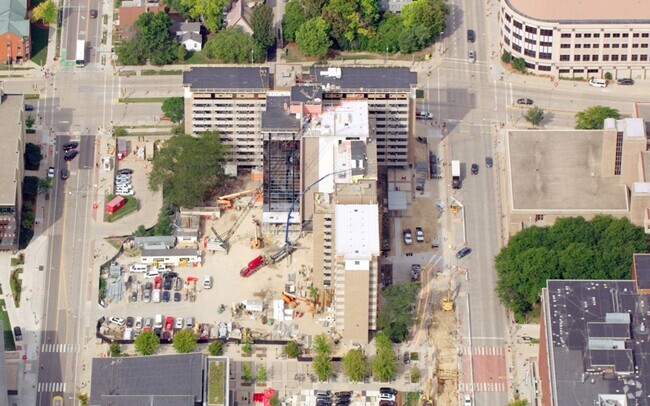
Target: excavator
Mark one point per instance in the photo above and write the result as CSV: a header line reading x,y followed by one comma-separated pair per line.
x,y
225,201
311,305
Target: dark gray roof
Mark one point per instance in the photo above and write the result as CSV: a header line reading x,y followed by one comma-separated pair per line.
x,y
159,380
358,154
306,93
642,267
276,117
366,78
228,78
597,335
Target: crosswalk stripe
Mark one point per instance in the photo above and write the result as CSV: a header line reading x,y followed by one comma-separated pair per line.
x,y
58,347
51,387
494,351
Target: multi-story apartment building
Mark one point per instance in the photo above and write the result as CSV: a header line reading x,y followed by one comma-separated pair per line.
x,y
577,39
11,156
14,31
229,100
390,93
339,158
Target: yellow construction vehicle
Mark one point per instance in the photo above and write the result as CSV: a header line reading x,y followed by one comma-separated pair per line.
x,y
447,303
226,201
311,304
292,303
257,241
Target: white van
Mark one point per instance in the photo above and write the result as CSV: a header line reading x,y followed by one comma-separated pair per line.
x,y
139,268
158,321
598,82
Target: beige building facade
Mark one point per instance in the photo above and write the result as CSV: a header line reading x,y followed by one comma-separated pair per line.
x,y
572,38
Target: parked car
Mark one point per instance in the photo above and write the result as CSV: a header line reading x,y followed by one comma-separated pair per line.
x,y
138,323
189,322
467,400
148,324
70,145
474,169
488,161
407,358
167,282
525,101
64,174
179,323
471,36
625,82
129,321
116,320
29,107
178,283
463,252
134,295
165,296
18,333
423,115
50,172
177,296
207,282
146,296
169,323
125,171
93,13
128,333
125,193
70,155
471,56
419,235
408,237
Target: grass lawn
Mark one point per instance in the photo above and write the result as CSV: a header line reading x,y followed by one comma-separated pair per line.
x,y
197,58
129,207
127,100
216,383
154,72
16,285
9,337
39,44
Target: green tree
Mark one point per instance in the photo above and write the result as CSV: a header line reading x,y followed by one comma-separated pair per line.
x,y
141,231
233,45
608,75
45,12
415,374
322,345
312,8
115,349
119,132
215,348
293,19
382,342
262,24
261,373
174,108
355,365
152,41
30,121
291,349
388,34
184,341
351,22
208,11
413,39
130,52
181,6
32,156
534,115
429,14
397,317
275,401
520,402
573,248
187,167
312,37
147,343
518,64
384,365
44,185
593,118
322,365
83,399
247,373
181,53
506,57
247,348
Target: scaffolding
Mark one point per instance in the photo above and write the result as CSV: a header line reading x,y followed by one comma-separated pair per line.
x,y
281,174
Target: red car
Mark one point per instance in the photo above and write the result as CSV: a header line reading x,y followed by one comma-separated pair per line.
x,y
169,323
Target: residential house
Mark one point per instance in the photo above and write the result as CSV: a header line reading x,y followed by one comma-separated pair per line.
x,y
189,35
240,15
14,29
131,10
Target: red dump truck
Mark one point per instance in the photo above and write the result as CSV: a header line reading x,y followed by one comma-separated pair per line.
x,y
252,267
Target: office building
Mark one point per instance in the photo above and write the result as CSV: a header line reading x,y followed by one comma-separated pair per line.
x,y
572,38
14,30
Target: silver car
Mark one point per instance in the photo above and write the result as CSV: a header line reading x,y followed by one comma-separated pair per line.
x,y
471,57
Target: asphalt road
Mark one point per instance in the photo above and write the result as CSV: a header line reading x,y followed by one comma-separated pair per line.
x,y
66,282
77,24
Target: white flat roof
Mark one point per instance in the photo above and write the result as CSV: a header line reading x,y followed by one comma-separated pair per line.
x,y
349,119
356,230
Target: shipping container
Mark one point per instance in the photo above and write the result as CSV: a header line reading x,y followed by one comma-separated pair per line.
x,y
115,204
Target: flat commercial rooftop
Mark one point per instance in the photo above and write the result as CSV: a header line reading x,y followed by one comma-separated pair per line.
x,y
356,230
552,171
228,78
584,11
365,78
277,116
10,136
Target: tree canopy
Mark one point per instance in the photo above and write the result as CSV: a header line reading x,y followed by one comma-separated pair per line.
x,y
322,361
294,17
573,248
147,342
384,363
534,115
152,41
174,108
215,348
210,12
233,45
184,341
291,349
188,167
593,118
397,317
355,365
312,37
45,12
262,24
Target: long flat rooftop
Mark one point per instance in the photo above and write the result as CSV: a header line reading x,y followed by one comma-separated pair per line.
x,y
552,171
369,78
11,152
228,78
587,11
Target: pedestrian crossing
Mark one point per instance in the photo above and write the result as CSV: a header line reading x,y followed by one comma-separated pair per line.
x,y
59,348
483,387
51,387
494,351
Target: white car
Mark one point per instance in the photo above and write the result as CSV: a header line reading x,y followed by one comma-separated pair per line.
x,y
207,282
179,323
419,234
467,400
125,193
50,172
138,323
128,334
117,320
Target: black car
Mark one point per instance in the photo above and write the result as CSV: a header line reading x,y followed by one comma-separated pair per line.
x,y
463,252
18,334
177,296
70,145
407,358
125,171
488,161
625,82
165,297
93,13
525,101
70,155
389,391
167,283
64,174
129,322
471,36
474,169
29,107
